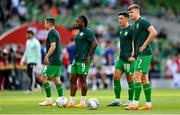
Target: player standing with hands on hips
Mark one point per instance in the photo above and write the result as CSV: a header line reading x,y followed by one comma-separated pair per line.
x,y
143,34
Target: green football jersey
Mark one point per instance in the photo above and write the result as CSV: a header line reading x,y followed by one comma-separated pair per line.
x,y
140,35
53,36
125,36
83,43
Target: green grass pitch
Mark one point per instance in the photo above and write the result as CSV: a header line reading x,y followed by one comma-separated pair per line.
x,y
17,102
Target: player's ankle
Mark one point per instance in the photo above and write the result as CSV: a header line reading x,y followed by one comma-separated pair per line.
x,y
83,100
49,98
117,100
136,102
72,100
149,104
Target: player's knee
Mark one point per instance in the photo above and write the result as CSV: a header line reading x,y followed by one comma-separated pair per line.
x,y
137,77
84,85
73,83
144,80
56,80
73,80
44,79
130,78
116,76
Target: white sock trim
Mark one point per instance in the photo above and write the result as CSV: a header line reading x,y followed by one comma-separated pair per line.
x,y
130,101
117,100
136,102
49,98
72,99
83,100
149,104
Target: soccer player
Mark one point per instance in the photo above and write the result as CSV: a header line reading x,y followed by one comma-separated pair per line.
x,y
126,61
52,69
143,34
85,45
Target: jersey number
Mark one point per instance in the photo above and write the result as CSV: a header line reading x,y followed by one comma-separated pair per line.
x,y
140,62
83,66
127,67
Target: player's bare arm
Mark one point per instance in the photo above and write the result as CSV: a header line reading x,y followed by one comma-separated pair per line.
x,y
132,58
49,53
152,35
93,47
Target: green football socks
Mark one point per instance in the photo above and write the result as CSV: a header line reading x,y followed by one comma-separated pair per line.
x,y
59,89
131,90
147,92
117,88
137,90
47,89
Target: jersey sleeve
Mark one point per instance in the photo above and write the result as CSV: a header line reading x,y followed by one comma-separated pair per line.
x,y
52,38
145,24
131,34
90,36
25,53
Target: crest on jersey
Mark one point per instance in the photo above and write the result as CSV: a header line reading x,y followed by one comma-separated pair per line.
x,y
126,33
81,34
120,32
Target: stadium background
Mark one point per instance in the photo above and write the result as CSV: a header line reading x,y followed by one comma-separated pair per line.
x,y
103,20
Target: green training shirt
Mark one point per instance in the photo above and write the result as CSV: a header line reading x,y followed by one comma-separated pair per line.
x,y
125,36
83,43
53,36
140,35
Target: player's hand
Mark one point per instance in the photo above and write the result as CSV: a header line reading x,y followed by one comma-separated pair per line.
x,y
46,60
130,59
87,59
141,49
22,63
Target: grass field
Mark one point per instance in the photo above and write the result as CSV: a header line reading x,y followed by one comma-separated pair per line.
x,y
17,102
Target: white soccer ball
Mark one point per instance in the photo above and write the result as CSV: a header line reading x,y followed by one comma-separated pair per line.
x,y
92,104
61,101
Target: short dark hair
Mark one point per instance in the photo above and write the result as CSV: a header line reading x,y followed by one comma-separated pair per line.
x,y
133,6
108,41
84,19
51,20
30,32
124,13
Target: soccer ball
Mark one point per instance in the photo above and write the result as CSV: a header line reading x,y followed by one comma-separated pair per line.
x,y
61,101
92,104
